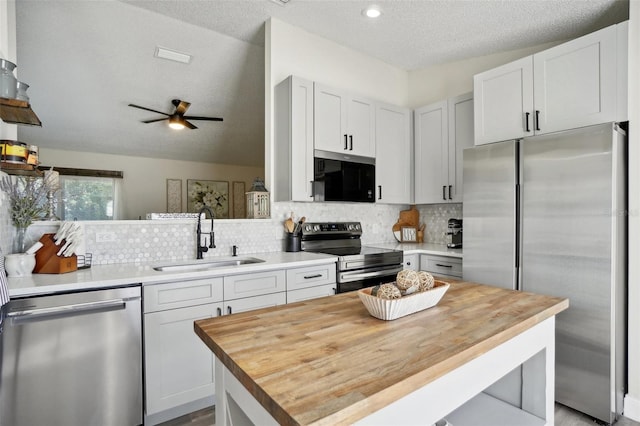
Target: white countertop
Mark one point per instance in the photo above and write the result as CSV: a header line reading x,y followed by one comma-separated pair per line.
x,y
421,248
103,276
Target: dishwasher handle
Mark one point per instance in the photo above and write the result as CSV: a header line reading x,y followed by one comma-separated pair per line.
x,y
68,310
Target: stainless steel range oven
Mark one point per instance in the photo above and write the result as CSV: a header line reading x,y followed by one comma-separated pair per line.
x,y
358,266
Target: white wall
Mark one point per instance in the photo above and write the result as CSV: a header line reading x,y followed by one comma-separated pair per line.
x,y
145,179
632,399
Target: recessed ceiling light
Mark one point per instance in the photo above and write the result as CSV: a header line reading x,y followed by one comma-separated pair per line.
x,y
372,12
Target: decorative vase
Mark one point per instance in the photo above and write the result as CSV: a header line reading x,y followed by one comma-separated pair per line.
x,y
19,241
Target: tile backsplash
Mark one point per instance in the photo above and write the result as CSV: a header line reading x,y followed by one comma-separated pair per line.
x,y
174,240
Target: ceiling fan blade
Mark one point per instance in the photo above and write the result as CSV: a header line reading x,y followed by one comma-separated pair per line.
x,y
147,109
181,106
154,120
189,125
191,117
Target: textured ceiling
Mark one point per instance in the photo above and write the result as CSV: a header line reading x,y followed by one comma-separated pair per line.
x,y
86,60
410,34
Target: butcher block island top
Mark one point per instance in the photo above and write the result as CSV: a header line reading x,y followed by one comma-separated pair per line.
x,y
327,361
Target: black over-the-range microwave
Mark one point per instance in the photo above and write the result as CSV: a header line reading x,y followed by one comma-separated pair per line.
x,y
341,177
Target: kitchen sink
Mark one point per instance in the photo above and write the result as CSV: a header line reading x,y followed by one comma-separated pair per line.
x,y
201,265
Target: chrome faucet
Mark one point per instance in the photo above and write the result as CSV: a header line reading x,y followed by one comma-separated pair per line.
x,y
203,248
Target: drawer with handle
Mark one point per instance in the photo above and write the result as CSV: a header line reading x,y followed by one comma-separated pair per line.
x,y
441,265
311,276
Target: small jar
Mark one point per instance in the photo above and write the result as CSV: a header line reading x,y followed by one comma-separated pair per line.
x,y
8,81
32,157
21,91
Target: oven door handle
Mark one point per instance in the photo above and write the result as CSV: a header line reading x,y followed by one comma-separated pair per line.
x,y
356,276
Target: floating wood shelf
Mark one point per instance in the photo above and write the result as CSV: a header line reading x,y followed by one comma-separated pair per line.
x,y
20,169
15,111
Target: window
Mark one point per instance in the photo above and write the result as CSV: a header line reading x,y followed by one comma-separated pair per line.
x,y
87,198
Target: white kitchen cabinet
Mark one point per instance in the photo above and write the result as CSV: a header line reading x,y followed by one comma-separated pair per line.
x,y
442,131
460,138
293,145
178,367
256,284
442,266
311,282
255,302
311,293
571,85
503,102
344,123
394,166
411,261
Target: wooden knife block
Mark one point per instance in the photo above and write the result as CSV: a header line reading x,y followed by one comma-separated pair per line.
x,y
48,262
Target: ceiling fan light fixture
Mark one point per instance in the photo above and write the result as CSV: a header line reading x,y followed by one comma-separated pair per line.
x,y
176,123
372,12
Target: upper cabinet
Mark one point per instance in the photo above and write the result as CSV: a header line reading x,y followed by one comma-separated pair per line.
x,y
293,140
344,123
575,84
393,154
442,131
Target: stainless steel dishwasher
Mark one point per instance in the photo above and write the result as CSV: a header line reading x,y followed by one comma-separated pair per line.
x,y
72,359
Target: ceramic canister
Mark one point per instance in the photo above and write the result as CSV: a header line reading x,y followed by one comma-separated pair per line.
x,y
8,81
13,151
19,264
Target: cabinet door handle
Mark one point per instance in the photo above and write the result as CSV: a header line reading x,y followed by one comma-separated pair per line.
x,y
308,277
408,264
219,312
345,142
444,266
350,142
444,190
526,121
450,186
537,120
229,310
311,189
379,192
335,291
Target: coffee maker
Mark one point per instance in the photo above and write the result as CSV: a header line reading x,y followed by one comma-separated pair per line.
x,y
454,233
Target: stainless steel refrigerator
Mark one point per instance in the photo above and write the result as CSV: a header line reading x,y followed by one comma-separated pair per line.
x,y
547,214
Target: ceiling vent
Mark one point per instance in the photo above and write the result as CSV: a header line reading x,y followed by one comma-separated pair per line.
x,y
281,2
172,55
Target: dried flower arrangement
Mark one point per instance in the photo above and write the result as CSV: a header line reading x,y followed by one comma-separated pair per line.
x,y
27,197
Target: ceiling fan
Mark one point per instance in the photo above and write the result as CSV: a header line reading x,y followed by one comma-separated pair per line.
x,y
177,119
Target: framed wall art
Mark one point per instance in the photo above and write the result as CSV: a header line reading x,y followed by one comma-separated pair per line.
x,y
212,193
239,204
174,195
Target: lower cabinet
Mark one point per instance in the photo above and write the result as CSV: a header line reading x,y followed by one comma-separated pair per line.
x,y
411,261
179,368
442,266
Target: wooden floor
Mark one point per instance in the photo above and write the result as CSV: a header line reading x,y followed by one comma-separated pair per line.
x,y
565,416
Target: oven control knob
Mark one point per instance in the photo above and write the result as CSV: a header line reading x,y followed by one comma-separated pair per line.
x,y
351,227
307,228
316,228
356,226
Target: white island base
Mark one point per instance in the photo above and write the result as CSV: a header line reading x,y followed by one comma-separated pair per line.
x,y
458,396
